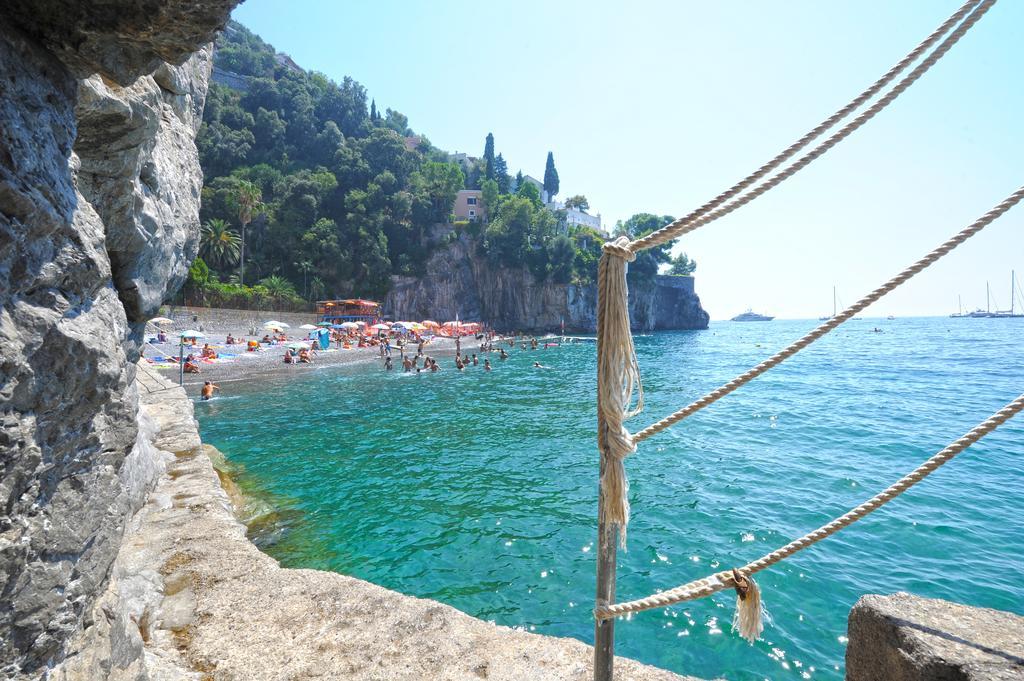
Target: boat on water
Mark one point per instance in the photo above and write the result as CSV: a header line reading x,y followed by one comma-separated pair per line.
x,y
834,309
988,313
751,316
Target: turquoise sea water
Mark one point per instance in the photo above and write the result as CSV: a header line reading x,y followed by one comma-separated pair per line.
x,y
479,489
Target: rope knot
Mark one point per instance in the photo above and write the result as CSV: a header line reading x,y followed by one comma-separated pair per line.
x,y
741,584
619,247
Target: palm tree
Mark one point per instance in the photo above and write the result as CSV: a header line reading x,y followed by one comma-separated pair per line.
x,y
278,288
250,200
305,267
316,288
219,243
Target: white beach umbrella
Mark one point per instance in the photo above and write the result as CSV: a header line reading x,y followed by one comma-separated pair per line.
x,y
191,333
161,321
307,327
274,324
380,327
349,325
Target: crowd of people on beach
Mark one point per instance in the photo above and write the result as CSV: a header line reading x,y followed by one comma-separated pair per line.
x,y
399,349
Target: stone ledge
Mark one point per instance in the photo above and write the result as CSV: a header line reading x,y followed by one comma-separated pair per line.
x,y
903,637
205,603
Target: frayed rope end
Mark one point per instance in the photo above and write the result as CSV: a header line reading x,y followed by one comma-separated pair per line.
x,y
748,620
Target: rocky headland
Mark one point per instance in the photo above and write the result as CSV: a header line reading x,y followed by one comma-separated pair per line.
x,y
460,280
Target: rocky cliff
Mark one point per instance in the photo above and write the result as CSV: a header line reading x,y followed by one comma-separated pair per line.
x,y
460,280
99,197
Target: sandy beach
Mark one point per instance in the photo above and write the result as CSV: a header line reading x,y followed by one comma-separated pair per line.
x,y
236,364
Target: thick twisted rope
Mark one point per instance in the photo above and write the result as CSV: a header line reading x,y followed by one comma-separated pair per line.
x,y
835,321
705,214
724,580
618,375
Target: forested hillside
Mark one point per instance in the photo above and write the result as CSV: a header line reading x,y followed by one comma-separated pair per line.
x,y
332,197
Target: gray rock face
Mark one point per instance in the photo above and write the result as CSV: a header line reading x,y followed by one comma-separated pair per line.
x,y
908,638
99,188
120,39
460,280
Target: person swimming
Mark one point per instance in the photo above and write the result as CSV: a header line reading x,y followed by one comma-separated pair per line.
x,y
487,365
537,365
475,362
208,388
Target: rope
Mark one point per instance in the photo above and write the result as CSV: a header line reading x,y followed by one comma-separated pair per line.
x,y
724,580
704,214
618,374
835,321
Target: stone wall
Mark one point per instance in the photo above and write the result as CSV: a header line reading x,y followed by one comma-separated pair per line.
x,y
99,192
460,280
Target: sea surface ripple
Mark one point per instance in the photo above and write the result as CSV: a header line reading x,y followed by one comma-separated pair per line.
x,y
479,489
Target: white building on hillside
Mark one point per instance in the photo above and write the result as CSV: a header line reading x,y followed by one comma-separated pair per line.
x,y
574,216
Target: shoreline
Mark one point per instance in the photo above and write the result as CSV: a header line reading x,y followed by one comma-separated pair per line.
x,y
200,591
252,366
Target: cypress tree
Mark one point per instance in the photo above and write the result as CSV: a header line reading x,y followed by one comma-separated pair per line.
x,y
489,157
550,177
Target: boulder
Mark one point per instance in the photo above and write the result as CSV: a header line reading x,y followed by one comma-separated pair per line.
x,y
903,637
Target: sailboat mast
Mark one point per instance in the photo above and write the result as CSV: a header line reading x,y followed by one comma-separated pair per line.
x,y
988,304
1013,283
833,301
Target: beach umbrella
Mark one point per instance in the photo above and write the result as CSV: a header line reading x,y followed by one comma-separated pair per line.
x,y
307,327
429,323
274,324
325,324
360,322
161,321
349,325
298,346
192,334
380,327
416,326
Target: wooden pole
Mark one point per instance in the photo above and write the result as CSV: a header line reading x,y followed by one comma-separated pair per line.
x,y
181,360
604,629
607,534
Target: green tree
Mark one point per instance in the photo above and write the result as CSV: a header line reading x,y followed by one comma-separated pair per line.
x,y
647,262
550,177
219,243
489,157
316,288
250,200
279,289
304,266
398,122
518,182
490,197
528,190
561,257
501,174
579,202
440,184
682,266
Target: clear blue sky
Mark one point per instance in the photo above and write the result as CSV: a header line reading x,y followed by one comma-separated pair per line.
x,y
658,106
